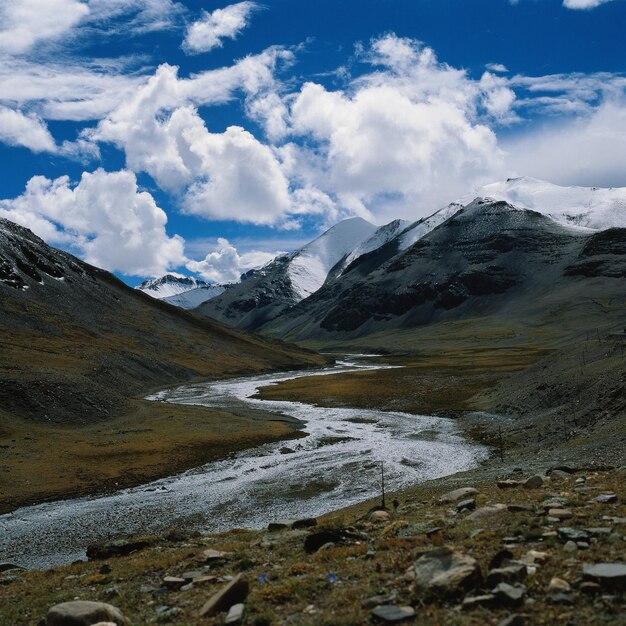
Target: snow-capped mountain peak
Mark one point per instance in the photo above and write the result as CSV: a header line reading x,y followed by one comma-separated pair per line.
x,y
596,208
169,285
309,266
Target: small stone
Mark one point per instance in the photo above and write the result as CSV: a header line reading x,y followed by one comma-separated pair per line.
x,y
203,580
511,573
534,482
117,547
469,505
234,592
534,556
570,546
508,483
374,601
589,588
209,556
83,613
610,576
307,522
173,582
379,517
513,620
189,576
558,584
560,513
392,613
457,494
560,475
606,498
598,532
500,558
582,545
473,601
443,572
235,614
520,508
486,512
561,598
565,533
509,595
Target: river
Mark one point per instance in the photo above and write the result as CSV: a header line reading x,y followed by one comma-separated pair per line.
x,y
336,464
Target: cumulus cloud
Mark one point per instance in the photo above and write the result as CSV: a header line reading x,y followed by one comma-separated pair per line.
x,y
209,32
105,218
18,129
224,264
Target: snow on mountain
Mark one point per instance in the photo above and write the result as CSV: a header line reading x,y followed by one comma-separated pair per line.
x,y
309,266
596,208
381,236
169,285
195,297
422,227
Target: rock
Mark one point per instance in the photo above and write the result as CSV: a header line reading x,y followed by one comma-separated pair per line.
x,y
379,517
606,498
83,613
561,598
486,512
173,582
307,522
189,576
279,525
443,572
589,588
533,556
203,580
472,602
610,576
235,592
508,483
574,534
513,572
315,541
520,508
534,482
286,450
558,584
211,556
5,567
500,558
560,513
570,546
509,595
457,494
599,532
469,505
374,601
392,613
117,547
513,620
235,614
560,475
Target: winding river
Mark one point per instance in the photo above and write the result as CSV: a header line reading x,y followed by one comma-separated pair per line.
x,y
337,464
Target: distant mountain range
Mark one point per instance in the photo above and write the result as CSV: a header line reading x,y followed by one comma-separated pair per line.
x,y
182,291
514,247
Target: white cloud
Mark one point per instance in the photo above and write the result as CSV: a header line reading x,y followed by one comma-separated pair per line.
x,y
17,129
104,217
497,67
583,4
225,265
210,31
27,22
589,150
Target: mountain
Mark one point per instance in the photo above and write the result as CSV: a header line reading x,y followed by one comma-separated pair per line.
x,y
521,241
170,285
195,297
77,342
264,294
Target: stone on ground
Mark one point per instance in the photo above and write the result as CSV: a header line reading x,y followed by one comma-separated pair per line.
x,y
457,494
235,614
235,592
392,613
84,613
446,573
610,576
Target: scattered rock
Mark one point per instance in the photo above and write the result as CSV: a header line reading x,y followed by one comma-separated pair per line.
x,y
189,576
211,556
286,450
279,525
379,517
509,595
520,508
508,483
561,598
534,482
513,620
173,582
534,556
235,614
512,572
589,588
316,541
443,572
472,602
83,613
307,522
500,557
574,534
558,584
610,576
486,512
570,546
117,547
469,505
606,498
392,613
560,513
560,475
457,494
234,593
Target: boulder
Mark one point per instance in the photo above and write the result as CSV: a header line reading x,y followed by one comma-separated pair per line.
x,y
534,482
446,573
84,613
379,517
457,494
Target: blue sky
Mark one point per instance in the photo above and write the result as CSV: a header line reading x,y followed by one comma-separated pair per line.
x,y
205,137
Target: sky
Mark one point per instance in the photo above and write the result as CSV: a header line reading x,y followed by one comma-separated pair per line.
x,y
203,138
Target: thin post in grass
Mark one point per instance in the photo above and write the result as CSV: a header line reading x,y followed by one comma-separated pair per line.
x,y
382,483
501,442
